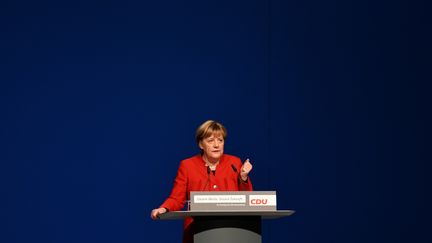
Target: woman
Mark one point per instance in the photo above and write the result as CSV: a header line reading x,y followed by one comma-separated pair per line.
x,y
211,170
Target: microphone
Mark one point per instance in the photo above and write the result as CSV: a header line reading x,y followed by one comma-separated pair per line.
x,y
208,178
237,173
234,168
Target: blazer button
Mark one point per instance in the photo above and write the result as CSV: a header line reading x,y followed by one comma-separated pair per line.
x,y
214,186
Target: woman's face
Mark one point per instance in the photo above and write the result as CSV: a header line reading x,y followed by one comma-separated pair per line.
x,y
213,147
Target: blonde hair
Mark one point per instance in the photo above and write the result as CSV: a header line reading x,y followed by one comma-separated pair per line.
x,y
208,128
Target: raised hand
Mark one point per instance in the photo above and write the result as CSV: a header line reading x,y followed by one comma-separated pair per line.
x,y
245,169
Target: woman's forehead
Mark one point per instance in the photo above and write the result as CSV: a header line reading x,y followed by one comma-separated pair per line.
x,y
217,134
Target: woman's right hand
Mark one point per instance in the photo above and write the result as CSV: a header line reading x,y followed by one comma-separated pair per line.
x,y
156,212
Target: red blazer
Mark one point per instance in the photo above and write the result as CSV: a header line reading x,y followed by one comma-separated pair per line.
x,y
192,176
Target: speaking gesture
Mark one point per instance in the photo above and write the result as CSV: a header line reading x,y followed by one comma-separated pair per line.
x,y
245,169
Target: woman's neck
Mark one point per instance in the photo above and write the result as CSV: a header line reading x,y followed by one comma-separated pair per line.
x,y
210,162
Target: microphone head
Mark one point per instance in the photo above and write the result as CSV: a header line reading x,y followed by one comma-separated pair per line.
x,y
234,168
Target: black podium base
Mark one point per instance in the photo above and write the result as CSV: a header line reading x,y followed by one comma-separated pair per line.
x,y
227,229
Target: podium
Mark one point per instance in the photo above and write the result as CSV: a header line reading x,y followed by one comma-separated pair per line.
x,y
226,226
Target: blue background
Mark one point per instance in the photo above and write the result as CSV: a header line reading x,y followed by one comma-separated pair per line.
x,y
100,101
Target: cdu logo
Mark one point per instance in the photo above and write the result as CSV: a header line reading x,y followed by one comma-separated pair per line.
x,y
259,201
262,200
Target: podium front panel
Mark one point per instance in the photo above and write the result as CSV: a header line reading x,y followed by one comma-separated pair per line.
x,y
246,229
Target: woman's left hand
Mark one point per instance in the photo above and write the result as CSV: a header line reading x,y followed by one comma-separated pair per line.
x,y
245,169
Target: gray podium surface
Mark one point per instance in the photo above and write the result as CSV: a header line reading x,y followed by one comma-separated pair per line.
x,y
263,214
226,226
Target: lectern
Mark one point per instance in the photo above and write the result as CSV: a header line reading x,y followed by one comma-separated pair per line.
x,y
227,226
230,216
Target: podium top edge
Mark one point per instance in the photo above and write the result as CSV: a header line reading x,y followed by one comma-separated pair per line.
x,y
229,213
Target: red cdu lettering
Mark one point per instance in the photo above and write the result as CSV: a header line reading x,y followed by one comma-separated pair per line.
x,y
259,201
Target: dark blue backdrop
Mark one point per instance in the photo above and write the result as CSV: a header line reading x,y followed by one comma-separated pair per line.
x,y
100,100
